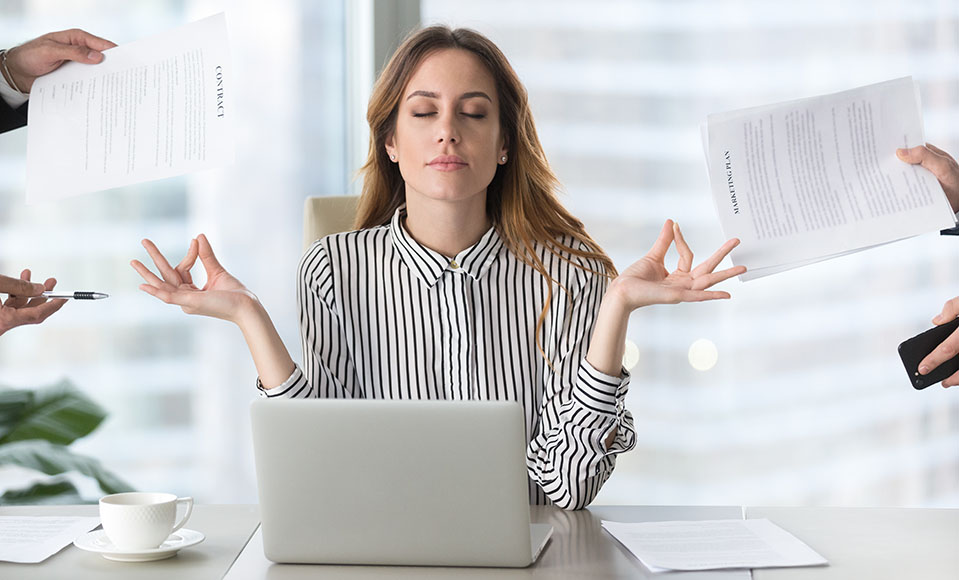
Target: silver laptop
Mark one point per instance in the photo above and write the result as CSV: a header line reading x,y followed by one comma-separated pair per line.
x,y
430,483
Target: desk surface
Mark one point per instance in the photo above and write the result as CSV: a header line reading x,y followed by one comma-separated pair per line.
x,y
874,543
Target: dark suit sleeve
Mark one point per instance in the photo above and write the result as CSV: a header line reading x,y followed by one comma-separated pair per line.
x,y
11,118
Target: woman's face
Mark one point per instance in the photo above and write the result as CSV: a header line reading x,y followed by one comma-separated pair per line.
x,y
447,138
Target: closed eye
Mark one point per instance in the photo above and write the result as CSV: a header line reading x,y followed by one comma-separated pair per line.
x,y
420,115
474,116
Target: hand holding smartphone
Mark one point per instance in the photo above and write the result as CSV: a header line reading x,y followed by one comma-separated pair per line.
x,y
918,347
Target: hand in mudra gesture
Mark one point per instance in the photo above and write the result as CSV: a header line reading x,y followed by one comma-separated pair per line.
x,y
648,281
222,297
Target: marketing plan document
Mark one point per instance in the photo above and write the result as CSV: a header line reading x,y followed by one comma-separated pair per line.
x,y
153,108
713,545
816,178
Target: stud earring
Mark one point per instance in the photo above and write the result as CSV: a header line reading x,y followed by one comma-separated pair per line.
x,y
392,157
503,159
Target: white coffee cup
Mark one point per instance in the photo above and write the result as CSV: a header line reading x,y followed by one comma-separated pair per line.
x,y
142,520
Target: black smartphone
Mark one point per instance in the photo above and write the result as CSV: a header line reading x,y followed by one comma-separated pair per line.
x,y
916,348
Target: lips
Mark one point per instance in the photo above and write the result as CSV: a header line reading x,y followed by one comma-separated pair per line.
x,y
447,163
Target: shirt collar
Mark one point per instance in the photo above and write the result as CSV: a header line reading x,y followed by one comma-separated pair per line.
x,y
429,265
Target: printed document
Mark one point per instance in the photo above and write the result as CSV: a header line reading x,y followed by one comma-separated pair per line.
x,y
153,108
816,178
713,545
29,540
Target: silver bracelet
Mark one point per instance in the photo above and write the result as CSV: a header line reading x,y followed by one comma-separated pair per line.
x,y
6,71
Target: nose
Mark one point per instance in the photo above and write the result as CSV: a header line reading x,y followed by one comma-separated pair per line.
x,y
447,130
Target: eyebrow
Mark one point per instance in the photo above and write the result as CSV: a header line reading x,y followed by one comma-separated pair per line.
x,y
432,95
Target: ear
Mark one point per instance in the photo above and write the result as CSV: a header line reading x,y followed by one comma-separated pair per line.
x,y
390,145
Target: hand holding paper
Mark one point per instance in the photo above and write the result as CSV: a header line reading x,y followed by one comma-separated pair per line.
x,y
47,53
941,164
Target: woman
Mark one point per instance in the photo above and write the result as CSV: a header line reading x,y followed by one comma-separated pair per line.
x,y
466,278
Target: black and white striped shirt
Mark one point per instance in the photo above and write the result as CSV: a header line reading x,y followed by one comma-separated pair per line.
x,y
384,317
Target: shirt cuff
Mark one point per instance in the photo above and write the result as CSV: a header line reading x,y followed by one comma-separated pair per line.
x,y
599,392
11,96
295,386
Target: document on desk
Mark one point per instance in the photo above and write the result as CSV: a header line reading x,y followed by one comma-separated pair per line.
x,y
30,540
713,545
816,178
153,108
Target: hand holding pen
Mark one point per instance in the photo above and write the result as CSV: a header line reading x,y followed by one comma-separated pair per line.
x,y
26,303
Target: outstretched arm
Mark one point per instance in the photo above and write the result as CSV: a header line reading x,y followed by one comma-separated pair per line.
x,y
648,282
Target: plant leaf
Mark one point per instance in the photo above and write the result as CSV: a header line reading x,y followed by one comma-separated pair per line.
x,y
58,413
53,459
54,492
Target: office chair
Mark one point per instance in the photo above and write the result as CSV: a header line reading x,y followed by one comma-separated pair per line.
x,y
327,215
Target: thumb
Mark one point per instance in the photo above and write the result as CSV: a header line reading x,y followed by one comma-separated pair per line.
x,y
76,53
912,155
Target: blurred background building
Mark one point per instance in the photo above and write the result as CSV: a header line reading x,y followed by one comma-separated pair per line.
x,y
790,393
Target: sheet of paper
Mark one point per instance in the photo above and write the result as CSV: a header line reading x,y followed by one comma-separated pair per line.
x,y
815,178
713,544
154,108
29,540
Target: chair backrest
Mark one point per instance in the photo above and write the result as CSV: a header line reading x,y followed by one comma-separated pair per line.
x,y
327,215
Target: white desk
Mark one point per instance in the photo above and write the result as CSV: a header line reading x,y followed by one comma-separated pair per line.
x,y
860,543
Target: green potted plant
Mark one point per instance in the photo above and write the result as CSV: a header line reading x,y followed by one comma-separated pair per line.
x,y
36,428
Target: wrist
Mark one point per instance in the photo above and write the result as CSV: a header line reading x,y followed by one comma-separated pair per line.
x,y
249,311
19,82
615,301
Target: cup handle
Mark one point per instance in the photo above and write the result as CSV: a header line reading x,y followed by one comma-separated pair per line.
x,y
189,510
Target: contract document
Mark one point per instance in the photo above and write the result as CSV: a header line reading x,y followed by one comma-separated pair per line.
x,y
713,545
806,180
153,108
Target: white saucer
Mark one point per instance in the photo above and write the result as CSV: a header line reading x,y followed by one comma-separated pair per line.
x,y
97,541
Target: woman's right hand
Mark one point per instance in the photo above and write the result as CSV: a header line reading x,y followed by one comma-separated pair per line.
x,y
222,297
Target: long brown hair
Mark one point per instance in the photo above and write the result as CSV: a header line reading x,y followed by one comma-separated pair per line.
x,y
521,200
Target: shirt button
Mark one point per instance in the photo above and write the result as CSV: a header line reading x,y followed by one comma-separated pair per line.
x,y
453,264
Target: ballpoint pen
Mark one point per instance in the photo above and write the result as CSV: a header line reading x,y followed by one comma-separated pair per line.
x,y
77,295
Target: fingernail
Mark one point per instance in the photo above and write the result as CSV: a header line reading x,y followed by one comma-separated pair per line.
x,y
937,319
923,370
94,55
901,152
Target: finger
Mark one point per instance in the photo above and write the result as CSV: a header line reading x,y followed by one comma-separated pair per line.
x,y
166,270
21,300
205,250
186,264
57,52
951,381
950,311
43,311
703,295
665,239
937,150
921,155
35,314
165,293
708,280
718,256
685,253
945,351
145,273
81,38
48,285
19,286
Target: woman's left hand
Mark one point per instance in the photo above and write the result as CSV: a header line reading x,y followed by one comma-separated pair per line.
x,y
648,281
